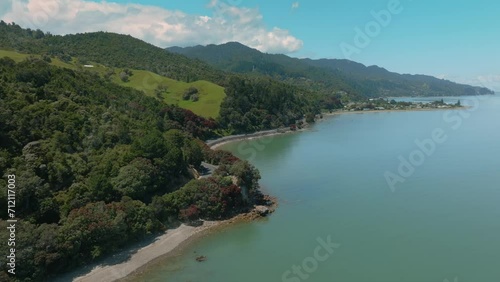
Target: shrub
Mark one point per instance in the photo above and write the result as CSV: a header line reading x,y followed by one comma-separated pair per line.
x,y
190,214
124,76
189,92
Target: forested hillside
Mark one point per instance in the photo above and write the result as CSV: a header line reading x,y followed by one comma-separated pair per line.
x,y
130,56
259,104
324,75
389,83
110,49
98,166
238,58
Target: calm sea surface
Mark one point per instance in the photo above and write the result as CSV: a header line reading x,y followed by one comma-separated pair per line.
x,y
400,196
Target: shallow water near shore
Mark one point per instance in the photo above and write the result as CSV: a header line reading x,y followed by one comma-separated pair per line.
x,y
440,224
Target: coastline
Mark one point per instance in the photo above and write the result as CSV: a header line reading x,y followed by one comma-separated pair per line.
x,y
393,111
129,260
136,260
214,144
180,249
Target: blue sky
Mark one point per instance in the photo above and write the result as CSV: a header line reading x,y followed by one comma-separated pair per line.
x,y
458,40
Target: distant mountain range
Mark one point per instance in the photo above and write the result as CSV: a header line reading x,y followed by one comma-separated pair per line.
x,y
327,75
216,63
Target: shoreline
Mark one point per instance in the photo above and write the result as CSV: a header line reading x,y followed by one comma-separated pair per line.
x,y
393,110
180,249
130,259
175,252
136,260
214,144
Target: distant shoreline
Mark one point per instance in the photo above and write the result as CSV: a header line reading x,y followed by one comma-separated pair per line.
x,y
394,110
214,144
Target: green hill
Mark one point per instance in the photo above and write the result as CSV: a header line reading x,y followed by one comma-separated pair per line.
x,y
18,57
210,94
151,66
256,102
109,49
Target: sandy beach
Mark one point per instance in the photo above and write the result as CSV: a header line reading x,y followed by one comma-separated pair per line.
x,y
127,261
134,260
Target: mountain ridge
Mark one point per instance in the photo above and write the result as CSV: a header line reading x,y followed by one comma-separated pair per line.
x,y
328,74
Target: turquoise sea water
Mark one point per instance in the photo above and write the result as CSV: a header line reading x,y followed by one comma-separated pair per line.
x,y
441,224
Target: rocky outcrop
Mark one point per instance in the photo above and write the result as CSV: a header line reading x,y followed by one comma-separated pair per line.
x,y
201,258
262,210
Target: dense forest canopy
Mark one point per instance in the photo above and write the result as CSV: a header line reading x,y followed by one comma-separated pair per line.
x,y
98,166
111,49
259,104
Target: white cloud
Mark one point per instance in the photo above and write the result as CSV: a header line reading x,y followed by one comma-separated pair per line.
x,y
155,25
295,5
491,81
489,78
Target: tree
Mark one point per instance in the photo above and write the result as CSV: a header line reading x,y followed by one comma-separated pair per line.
x,y
310,118
189,92
195,97
124,76
47,58
189,214
109,73
150,146
247,176
160,91
193,153
128,72
136,179
93,230
332,102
